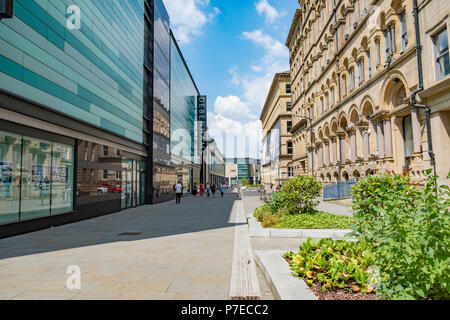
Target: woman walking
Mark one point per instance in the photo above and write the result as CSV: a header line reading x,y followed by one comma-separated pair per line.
x,y
202,190
222,189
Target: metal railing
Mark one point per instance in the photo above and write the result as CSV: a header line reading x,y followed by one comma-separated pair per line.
x,y
339,190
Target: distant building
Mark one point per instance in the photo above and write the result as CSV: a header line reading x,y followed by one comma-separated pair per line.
x,y
243,168
277,145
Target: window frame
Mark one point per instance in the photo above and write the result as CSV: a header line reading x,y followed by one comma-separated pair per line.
x,y
437,55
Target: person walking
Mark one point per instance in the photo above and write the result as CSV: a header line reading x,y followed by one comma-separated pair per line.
x,y
222,189
202,189
213,190
208,190
194,190
179,191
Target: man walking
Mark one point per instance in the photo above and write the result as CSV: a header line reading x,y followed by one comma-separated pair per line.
x,y
179,191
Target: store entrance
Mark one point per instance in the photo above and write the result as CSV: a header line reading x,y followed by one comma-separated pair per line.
x,y
133,179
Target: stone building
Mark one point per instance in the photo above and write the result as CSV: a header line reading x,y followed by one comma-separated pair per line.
x,y
277,145
369,86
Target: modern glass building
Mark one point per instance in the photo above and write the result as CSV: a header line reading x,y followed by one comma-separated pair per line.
x,y
183,125
85,110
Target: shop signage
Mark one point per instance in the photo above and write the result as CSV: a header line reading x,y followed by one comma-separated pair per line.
x,y
202,118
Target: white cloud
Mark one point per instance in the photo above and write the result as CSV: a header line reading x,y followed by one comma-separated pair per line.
x,y
275,59
188,17
232,135
233,108
274,48
264,8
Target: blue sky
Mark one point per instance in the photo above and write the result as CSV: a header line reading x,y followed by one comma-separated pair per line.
x,y
233,49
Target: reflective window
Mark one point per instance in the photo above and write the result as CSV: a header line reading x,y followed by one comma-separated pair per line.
x,y
62,179
10,160
36,177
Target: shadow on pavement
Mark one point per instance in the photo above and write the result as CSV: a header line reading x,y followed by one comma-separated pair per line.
x,y
146,222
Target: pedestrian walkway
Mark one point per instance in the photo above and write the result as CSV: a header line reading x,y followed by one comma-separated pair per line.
x,y
334,208
166,251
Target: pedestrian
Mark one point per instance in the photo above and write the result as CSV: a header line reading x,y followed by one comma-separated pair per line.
x,y
179,191
202,189
208,190
213,190
222,189
194,190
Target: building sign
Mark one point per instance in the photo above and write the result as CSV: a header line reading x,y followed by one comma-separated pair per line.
x,y
6,8
202,118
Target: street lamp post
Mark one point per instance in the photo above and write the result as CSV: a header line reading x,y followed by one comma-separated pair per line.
x,y
311,137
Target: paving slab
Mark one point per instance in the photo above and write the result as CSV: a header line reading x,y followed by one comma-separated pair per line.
x,y
183,252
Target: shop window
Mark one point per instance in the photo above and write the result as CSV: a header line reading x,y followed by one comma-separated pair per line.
x,y
62,179
10,160
36,178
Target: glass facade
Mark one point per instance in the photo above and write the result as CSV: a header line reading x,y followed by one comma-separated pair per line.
x,y
183,112
164,172
36,178
93,74
108,179
183,125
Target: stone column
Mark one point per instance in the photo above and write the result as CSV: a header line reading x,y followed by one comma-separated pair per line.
x,y
352,134
366,144
334,147
343,150
327,152
417,134
380,133
387,137
319,155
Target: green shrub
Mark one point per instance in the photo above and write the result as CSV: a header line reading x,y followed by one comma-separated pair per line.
x,y
315,220
275,203
409,228
244,182
298,194
334,264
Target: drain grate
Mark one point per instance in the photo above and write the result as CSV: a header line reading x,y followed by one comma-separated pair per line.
x,y
130,234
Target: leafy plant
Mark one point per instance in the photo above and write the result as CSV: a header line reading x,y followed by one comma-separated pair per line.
x,y
335,264
315,220
298,194
409,229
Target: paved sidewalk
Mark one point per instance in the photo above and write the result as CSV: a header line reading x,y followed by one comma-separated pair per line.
x,y
334,208
184,252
